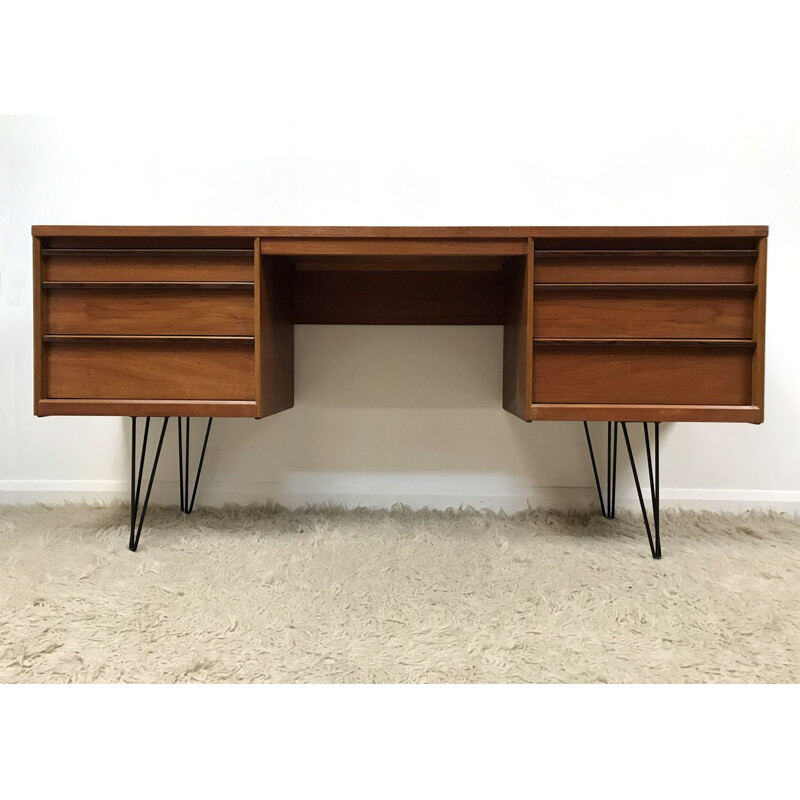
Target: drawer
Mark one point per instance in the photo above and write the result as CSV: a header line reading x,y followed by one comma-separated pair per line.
x,y
705,312
642,373
150,369
150,310
645,266
142,266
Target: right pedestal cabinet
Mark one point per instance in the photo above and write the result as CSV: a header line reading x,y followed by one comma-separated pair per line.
x,y
637,328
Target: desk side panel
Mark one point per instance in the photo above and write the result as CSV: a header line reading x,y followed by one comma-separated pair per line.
x,y
518,334
38,314
274,333
759,326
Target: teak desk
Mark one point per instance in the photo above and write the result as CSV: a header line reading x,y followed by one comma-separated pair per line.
x,y
618,324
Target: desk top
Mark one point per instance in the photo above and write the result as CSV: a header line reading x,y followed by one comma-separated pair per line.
x,y
388,232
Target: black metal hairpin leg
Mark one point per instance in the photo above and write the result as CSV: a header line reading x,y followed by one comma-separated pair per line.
x,y
608,508
187,504
654,533
138,515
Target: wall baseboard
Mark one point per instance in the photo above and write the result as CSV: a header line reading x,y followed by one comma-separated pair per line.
x,y
217,493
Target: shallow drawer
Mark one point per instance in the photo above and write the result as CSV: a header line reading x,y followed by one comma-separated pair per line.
x,y
155,369
634,373
186,310
643,313
132,265
644,266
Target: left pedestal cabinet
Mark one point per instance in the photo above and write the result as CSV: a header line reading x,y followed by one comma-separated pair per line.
x,y
165,326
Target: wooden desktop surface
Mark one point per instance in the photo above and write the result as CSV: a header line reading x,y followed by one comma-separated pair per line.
x,y
600,323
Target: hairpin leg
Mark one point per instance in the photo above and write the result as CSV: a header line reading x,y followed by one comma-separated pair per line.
x,y
654,533
137,514
187,504
607,507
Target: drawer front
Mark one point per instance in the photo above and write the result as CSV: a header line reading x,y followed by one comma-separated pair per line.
x,y
141,369
645,266
132,266
635,313
668,374
154,311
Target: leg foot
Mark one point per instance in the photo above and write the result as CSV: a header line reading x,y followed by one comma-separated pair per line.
x,y
607,506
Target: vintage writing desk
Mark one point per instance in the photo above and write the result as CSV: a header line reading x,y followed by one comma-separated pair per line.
x,y
619,324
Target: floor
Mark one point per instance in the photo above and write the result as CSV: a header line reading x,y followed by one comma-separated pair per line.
x,y
262,594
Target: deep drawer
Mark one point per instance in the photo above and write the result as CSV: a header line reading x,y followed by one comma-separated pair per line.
x,y
636,373
150,369
643,313
150,310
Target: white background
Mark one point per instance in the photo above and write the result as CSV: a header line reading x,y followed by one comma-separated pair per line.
x,y
420,114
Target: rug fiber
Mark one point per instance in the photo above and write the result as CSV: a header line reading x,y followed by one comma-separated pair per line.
x,y
262,594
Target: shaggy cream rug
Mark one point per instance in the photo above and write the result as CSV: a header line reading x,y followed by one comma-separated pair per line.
x,y
326,595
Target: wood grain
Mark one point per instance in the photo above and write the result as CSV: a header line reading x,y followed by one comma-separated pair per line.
x,y
258,343
760,319
402,263
137,369
390,247
638,267
530,285
642,373
392,231
275,356
517,334
149,408
675,240
398,298
618,412
150,240
163,266
151,310
403,275
39,310
643,313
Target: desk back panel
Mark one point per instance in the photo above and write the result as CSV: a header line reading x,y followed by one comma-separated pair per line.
x,y
398,297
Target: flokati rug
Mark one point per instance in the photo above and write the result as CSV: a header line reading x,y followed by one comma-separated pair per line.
x,y
262,594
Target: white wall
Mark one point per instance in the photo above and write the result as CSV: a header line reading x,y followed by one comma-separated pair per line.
x,y
487,116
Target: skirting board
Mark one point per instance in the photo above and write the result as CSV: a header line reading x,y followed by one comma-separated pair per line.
x,y
217,493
